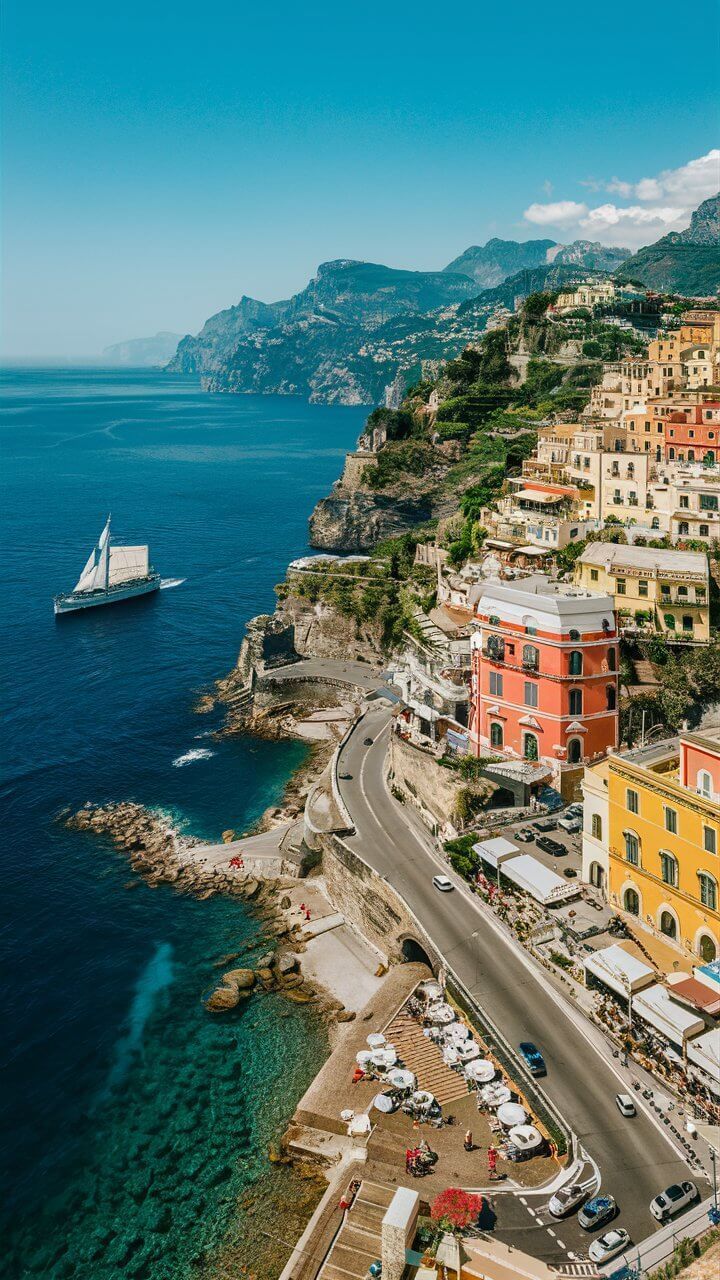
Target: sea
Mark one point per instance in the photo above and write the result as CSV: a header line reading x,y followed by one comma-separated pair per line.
x,y
135,1126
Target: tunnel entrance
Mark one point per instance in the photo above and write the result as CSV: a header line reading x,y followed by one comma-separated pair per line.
x,y
413,953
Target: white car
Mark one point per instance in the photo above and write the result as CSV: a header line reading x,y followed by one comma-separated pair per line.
x,y
566,1200
443,884
673,1200
609,1245
570,823
625,1104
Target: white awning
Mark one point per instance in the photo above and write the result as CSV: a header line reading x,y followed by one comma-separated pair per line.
x,y
704,1052
539,881
496,851
619,970
672,1020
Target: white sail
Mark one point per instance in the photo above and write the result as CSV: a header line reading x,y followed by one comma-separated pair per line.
x,y
128,563
94,576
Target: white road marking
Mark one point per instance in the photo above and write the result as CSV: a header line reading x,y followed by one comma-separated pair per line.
x,y
551,1232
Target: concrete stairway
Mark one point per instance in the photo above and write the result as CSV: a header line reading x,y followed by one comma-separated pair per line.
x,y
421,1055
358,1242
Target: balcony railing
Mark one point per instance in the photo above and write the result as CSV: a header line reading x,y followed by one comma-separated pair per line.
x,y
681,602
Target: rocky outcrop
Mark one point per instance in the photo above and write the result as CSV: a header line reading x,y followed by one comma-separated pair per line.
x,y
358,520
320,631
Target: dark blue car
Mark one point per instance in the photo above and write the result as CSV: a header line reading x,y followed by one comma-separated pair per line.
x,y
532,1058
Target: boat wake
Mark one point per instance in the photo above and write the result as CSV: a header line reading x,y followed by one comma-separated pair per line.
x,y
166,583
198,753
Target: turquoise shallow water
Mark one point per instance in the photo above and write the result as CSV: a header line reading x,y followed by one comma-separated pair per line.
x,y
131,1121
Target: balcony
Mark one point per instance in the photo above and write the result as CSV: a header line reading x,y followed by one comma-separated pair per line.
x,y
676,601
531,664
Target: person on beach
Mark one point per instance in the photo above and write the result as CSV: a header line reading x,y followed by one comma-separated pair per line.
x,y
307,914
468,1141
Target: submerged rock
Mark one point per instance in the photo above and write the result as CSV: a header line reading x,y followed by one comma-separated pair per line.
x,y
243,979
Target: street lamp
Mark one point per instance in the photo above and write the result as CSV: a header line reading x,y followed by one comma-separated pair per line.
x,y
713,1158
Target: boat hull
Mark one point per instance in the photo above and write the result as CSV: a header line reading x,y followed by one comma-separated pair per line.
x,y
72,603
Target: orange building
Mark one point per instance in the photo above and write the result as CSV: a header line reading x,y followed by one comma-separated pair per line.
x,y
544,674
692,434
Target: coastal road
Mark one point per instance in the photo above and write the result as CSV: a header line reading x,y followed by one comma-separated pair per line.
x,y
634,1157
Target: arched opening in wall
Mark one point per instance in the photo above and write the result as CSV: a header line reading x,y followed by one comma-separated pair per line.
x,y
631,902
413,953
707,949
668,924
597,875
503,798
574,751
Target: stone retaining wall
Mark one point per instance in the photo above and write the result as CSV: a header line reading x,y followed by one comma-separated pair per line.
x,y
432,789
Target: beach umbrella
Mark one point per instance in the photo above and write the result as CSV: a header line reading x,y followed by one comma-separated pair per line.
x,y
495,1094
376,1040
511,1113
363,1057
430,990
389,1055
423,1098
481,1070
460,1032
441,1013
526,1137
378,1058
402,1079
382,1102
468,1051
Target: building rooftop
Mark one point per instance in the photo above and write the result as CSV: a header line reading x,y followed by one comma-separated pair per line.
x,y
548,595
656,559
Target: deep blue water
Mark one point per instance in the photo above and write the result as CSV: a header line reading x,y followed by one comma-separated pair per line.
x,y
130,1120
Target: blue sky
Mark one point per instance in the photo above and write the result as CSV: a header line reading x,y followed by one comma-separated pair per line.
x,y
161,160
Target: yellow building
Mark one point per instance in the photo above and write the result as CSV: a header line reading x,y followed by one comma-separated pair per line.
x,y
664,839
654,589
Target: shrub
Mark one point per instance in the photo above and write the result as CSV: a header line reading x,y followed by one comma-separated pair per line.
x,y
456,1209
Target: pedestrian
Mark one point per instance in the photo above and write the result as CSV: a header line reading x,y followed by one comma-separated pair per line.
x,y
307,914
468,1141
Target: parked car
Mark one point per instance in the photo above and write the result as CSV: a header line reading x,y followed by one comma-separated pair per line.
x,y
625,1104
443,884
570,823
597,1212
545,824
575,810
548,845
367,742
570,872
345,777
673,1200
532,1057
566,1200
609,1245
524,835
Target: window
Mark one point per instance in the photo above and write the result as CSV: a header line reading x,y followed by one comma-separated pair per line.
x,y
684,501
671,454
632,848
642,588
496,648
496,684
668,925
576,663
707,949
704,783
530,747
669,869
691,455
493,620
596,826
682,591
631,902
530,658
611,660
688,622
632,801
531,694
683,528
574,635
655,523
611,697
576,702
671,822
594,575
574,751
710,839
496,734
704,531
708,502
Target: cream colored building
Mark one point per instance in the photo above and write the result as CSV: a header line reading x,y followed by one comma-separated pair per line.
x,y
595,856
654,590
589,294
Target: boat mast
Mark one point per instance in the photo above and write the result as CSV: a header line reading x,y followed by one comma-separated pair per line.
x,y
107,556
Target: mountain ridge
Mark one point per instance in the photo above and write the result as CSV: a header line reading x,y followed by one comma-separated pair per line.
x,y
683,261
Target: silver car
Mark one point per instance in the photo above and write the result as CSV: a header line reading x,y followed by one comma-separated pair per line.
x,y
566,1200
609,1245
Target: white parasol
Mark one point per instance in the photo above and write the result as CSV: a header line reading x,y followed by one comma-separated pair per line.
x,y
511,1113
423,1098
481,1070
526,1137
363,1057
381,1102
402,1079
376,1040
468,1051
495,1094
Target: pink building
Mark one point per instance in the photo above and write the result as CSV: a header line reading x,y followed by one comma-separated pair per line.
x,y
544,674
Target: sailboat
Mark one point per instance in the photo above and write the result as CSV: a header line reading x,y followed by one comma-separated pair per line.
x,y
110,575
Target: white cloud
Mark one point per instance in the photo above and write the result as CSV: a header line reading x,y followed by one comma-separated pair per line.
x,y
666,203
559,212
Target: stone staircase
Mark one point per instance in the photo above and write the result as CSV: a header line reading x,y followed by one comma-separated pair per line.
x,y
358,1242
420,1054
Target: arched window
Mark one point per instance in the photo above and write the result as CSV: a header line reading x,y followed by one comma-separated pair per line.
x,y
632,848
530,747
574,751
707,949
612,660
631,902
708,890
669,869
530,657
497,737
704,783
576,663
691,455
576,702
611,696
668,924
655,522
596,826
